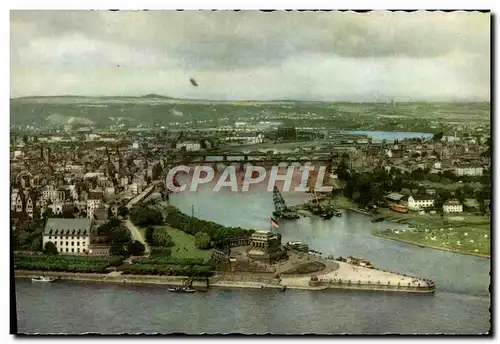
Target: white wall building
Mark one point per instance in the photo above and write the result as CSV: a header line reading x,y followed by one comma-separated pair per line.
x,y
246,137
13,199
52,194
92,204
71,236
469,171
57,208
452,206
418,202
133,188
190,146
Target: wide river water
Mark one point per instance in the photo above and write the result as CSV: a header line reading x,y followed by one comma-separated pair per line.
x,y
460,305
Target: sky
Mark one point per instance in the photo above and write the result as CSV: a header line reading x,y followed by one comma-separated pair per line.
x,y
252,55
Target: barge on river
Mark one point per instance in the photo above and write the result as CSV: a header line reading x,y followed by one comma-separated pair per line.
x,y
297,245
356,261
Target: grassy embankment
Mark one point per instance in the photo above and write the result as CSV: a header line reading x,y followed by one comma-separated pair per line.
x,y
463,233
342,202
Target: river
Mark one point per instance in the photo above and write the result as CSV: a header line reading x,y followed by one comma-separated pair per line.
x,y
460,304
389,136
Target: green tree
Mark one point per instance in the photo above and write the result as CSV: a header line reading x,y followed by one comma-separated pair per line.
x,y
22,239
481,197
161,238
117,249
144,216
36,243
418,174
149,235
50,248
442,196
450,175
135,248
48,213
437,136
123,211
202,240
460,195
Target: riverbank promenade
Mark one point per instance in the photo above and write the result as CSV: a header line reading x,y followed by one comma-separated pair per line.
x,y
343,275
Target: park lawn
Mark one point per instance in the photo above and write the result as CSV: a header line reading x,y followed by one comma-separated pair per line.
x,y
467,238
184,245
462,232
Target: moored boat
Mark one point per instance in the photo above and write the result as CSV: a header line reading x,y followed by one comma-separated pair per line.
x,y
182,290
43,279
297,245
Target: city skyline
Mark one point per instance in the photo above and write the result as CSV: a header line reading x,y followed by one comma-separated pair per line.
x,y
250,55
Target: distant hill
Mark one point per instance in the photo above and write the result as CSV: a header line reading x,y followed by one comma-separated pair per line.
x,y
151,95
154,95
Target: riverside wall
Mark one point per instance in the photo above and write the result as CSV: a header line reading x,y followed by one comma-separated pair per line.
x,y
229,281
108,278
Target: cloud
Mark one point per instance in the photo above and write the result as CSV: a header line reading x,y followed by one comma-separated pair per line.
x,y
263,54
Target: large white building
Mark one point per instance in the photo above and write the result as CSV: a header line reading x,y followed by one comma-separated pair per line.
x,y
419,202
94,201
452,206
53,194
70,236
190,146
246,137
469,171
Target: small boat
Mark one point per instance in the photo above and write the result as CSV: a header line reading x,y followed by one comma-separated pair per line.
x,y
43,279
182,290
327,215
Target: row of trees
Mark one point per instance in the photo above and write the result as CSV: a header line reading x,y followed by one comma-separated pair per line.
x,y
65,263
144,216
114,233
158,237
169,270
211,234
171,266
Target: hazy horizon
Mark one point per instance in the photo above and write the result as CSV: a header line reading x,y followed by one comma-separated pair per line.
x,y
249,100
252,56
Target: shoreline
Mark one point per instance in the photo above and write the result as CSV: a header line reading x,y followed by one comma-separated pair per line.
x,y
213,282
480,255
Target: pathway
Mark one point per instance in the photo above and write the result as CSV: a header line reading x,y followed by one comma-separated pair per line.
x,y
136,235
134,231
